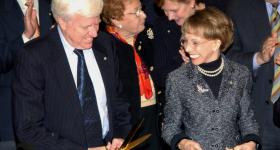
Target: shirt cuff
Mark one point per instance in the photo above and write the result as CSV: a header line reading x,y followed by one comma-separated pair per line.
x,y
255,64
25,39
176,139
252,137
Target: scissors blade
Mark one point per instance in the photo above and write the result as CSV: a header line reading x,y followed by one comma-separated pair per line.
x,y
137,142
131,133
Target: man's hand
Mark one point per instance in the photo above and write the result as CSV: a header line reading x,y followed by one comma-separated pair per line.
x,y
246,146
30,21
116,144
186,144
268,49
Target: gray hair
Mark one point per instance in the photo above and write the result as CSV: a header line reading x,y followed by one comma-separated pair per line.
x,y
67,8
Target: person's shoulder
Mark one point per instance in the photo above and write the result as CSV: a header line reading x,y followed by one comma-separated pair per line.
x,y
162,24
238,68
181,72
161,21
103,37
237,6
104,43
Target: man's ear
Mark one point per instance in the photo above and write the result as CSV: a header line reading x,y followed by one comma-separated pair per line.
x,y
62,23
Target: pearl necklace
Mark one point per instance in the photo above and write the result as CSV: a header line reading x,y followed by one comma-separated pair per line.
x,y
213,73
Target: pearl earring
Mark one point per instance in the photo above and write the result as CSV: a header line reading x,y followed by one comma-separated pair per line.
x,y
120,26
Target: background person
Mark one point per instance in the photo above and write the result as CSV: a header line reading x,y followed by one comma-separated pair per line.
x,y
254,47
125,20
20,21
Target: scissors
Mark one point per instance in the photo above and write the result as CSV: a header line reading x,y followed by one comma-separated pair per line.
x,y
127,144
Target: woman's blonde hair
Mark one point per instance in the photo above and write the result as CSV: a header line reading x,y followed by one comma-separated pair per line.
x,y
211,24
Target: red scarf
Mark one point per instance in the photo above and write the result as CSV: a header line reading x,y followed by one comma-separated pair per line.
x,y
143,74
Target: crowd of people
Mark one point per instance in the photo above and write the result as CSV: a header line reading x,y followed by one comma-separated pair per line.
x,y
80,74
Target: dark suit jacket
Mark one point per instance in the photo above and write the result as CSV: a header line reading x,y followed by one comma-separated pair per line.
x,y
128,76
166,44
251,29
130,81
128,69
47,109
11,29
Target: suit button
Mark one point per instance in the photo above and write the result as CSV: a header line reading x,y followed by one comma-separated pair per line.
x,y
217,111
213,111
159,92
151,68
216,145
52,26
160,114
139,48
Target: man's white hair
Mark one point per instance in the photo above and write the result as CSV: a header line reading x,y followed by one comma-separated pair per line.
x,y
67,8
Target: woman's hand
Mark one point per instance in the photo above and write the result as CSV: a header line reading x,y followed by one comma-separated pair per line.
x,y
245,146
186,144
184,55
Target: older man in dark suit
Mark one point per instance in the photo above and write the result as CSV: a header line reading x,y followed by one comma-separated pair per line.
x,y
16,29
67,96
254,47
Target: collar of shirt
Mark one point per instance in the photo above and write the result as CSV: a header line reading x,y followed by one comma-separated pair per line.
x,y
71,56
269,8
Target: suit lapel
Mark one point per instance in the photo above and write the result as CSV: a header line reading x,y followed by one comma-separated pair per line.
x,y
227,81
62,72
103,64
203,89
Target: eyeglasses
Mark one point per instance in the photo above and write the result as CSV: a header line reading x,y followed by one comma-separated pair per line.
x,y
184,43
137,13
